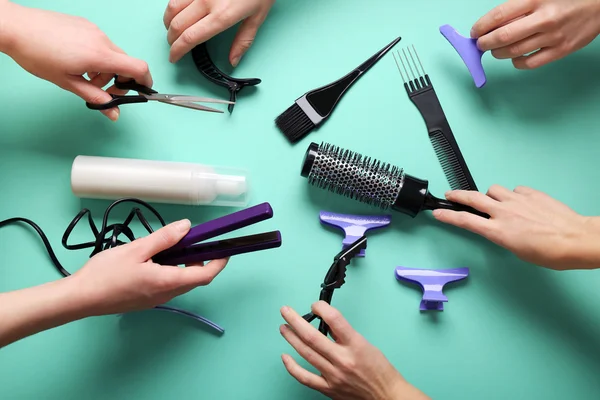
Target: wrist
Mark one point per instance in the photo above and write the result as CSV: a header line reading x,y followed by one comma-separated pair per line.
x,y
6,33
582,246
400,389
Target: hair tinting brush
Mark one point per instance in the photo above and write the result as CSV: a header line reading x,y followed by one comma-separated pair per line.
x,y
421,92
371,181
314,107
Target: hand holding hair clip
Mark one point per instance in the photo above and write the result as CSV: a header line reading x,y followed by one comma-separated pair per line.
x,y
335,278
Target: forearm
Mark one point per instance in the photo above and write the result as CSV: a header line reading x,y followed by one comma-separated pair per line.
x,y
29,311
585,251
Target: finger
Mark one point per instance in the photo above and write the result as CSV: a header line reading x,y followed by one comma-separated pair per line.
x,y
499,193
101,80
186,18
313,358
501,15
538,59
173,8
524,47
201,276
525,191
114,90
91,94
473,199
126,66
303,376
343,332
465,220
244,38
198,33
164,238
92,75
510,34
309,335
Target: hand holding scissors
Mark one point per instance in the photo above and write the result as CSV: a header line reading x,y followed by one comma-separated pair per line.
x,y
147,94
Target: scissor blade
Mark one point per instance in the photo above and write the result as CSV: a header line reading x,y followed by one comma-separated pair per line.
x,y
194,99
193,106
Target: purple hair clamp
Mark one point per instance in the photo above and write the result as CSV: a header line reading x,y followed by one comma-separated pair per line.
x,y
432,282
468,51
354,226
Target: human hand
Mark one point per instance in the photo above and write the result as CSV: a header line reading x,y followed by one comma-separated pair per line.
x,y
529,223
350,367
124,278
62,49
550,28
191,22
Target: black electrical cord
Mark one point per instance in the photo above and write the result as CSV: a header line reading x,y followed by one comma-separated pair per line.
x,y
103,242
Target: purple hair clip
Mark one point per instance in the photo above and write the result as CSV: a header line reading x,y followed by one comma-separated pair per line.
x,y
432,281
354,226
469,52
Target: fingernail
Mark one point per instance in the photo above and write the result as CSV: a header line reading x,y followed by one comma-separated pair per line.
x,y
183,225
285,309
113,115
472,33
437,213
236,61
448,193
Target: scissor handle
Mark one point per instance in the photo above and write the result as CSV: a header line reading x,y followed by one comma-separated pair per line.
x,y
133,85
117,101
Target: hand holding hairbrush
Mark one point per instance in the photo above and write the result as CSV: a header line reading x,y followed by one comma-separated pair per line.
x,y
371,181
335,278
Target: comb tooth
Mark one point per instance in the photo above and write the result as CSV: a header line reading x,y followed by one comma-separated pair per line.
x,y
412,73
405,70
398,65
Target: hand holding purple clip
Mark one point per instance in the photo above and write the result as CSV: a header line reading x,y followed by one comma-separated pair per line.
x,y
469,52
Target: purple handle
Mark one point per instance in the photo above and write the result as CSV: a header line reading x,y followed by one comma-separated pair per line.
x,y
354,226
468,51
219,249
225,224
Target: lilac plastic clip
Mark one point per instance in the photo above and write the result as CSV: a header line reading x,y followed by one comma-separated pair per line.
x,y
432,282
468,51
354,226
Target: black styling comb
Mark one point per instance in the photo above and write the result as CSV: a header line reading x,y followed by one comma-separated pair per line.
x,y
421,92
336,277
371,181
207,68
314,107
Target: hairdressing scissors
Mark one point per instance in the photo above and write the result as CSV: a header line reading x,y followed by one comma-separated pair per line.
x,y
146,94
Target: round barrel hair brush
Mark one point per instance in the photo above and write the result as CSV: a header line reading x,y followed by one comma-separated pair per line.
x,y
371,181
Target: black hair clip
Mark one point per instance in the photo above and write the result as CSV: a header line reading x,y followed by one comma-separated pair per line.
x,y
335,278
207,68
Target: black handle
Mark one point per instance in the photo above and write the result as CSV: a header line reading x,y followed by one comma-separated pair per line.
x,y
131,84
433,203
117,101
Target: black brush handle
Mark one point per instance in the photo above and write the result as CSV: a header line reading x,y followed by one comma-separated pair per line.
x,y
434,203
324,99
431,110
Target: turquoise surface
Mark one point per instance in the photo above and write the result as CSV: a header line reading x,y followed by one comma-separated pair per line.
x,y
512,330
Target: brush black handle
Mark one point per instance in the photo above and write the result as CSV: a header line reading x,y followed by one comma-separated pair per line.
x,y
434,203
324,99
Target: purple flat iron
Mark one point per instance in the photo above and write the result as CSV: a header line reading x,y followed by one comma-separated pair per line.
x,y
354,226
469,52
432,281
189,251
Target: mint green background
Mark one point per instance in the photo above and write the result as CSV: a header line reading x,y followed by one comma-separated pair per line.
x,y
511,330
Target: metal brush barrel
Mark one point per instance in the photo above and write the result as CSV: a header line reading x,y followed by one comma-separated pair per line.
x,y
365,179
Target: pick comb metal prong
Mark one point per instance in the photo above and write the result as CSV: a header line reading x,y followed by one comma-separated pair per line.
x,y
399,69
